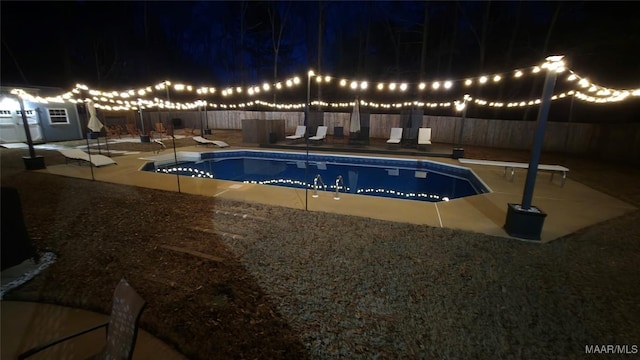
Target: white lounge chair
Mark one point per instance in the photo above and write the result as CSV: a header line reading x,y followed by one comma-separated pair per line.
x,y
162,145
79,155
202,141
321,134
396,136
424,137
300,130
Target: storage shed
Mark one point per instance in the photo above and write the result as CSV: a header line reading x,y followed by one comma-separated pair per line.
x,y
48,121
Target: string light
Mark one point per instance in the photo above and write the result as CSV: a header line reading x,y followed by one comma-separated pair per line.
x,y
119,99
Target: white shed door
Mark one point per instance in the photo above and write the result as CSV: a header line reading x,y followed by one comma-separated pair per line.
x,y
12,128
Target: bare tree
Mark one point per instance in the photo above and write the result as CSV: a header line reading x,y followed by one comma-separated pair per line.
x,y
321,9
24,78
543,53
514,35
425,34
105,61
364,45
453,41
394,36
276,37
243,12
482,37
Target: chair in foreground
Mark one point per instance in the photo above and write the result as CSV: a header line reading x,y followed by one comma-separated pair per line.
x,y
80,156
300,131
121,329
321,134
202,141
395,137
424,137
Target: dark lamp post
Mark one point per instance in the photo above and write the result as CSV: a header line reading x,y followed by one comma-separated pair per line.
x,y
458,151
33,161
310,74
524,220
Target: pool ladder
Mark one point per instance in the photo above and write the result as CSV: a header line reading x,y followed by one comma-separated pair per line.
x,y
317,180
339,180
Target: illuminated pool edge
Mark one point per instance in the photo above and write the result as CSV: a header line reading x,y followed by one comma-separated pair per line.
x,y
451,170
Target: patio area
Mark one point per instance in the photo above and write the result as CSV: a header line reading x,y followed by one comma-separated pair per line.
x,y
570,208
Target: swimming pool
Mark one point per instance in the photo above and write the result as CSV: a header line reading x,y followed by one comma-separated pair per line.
x,y
409,179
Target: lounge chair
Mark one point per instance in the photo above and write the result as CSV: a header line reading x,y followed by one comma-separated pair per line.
x,y
159,129
79,155
396,136
424,137
162,146
121,329
189,132
132,130
300,130
202,141
113,131
321,134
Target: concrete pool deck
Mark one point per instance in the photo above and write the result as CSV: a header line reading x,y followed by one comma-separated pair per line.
x,y
569,208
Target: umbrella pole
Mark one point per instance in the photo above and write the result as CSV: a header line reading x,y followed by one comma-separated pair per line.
x,y
98,138
86,111
175,157
106,138
173,138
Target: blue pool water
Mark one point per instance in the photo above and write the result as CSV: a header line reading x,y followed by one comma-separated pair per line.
x,y
396,178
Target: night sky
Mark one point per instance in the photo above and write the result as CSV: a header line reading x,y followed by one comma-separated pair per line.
x,y
125,44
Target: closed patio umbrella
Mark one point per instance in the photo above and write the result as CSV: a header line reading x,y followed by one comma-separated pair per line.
x,y
354,125
94,123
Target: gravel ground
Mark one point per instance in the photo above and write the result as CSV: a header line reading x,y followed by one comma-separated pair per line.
x,y
294,284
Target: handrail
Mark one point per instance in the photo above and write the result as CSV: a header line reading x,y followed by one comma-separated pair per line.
x,y
317,179
338,181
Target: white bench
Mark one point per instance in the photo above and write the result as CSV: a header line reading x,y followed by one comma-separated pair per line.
x,y
513,165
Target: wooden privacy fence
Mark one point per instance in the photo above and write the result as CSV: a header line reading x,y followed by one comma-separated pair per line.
x,y
605,140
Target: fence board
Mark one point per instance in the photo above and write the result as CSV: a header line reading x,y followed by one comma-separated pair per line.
x,y
607,139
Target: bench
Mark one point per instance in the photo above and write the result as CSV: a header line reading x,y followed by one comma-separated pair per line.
x,y
513,165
